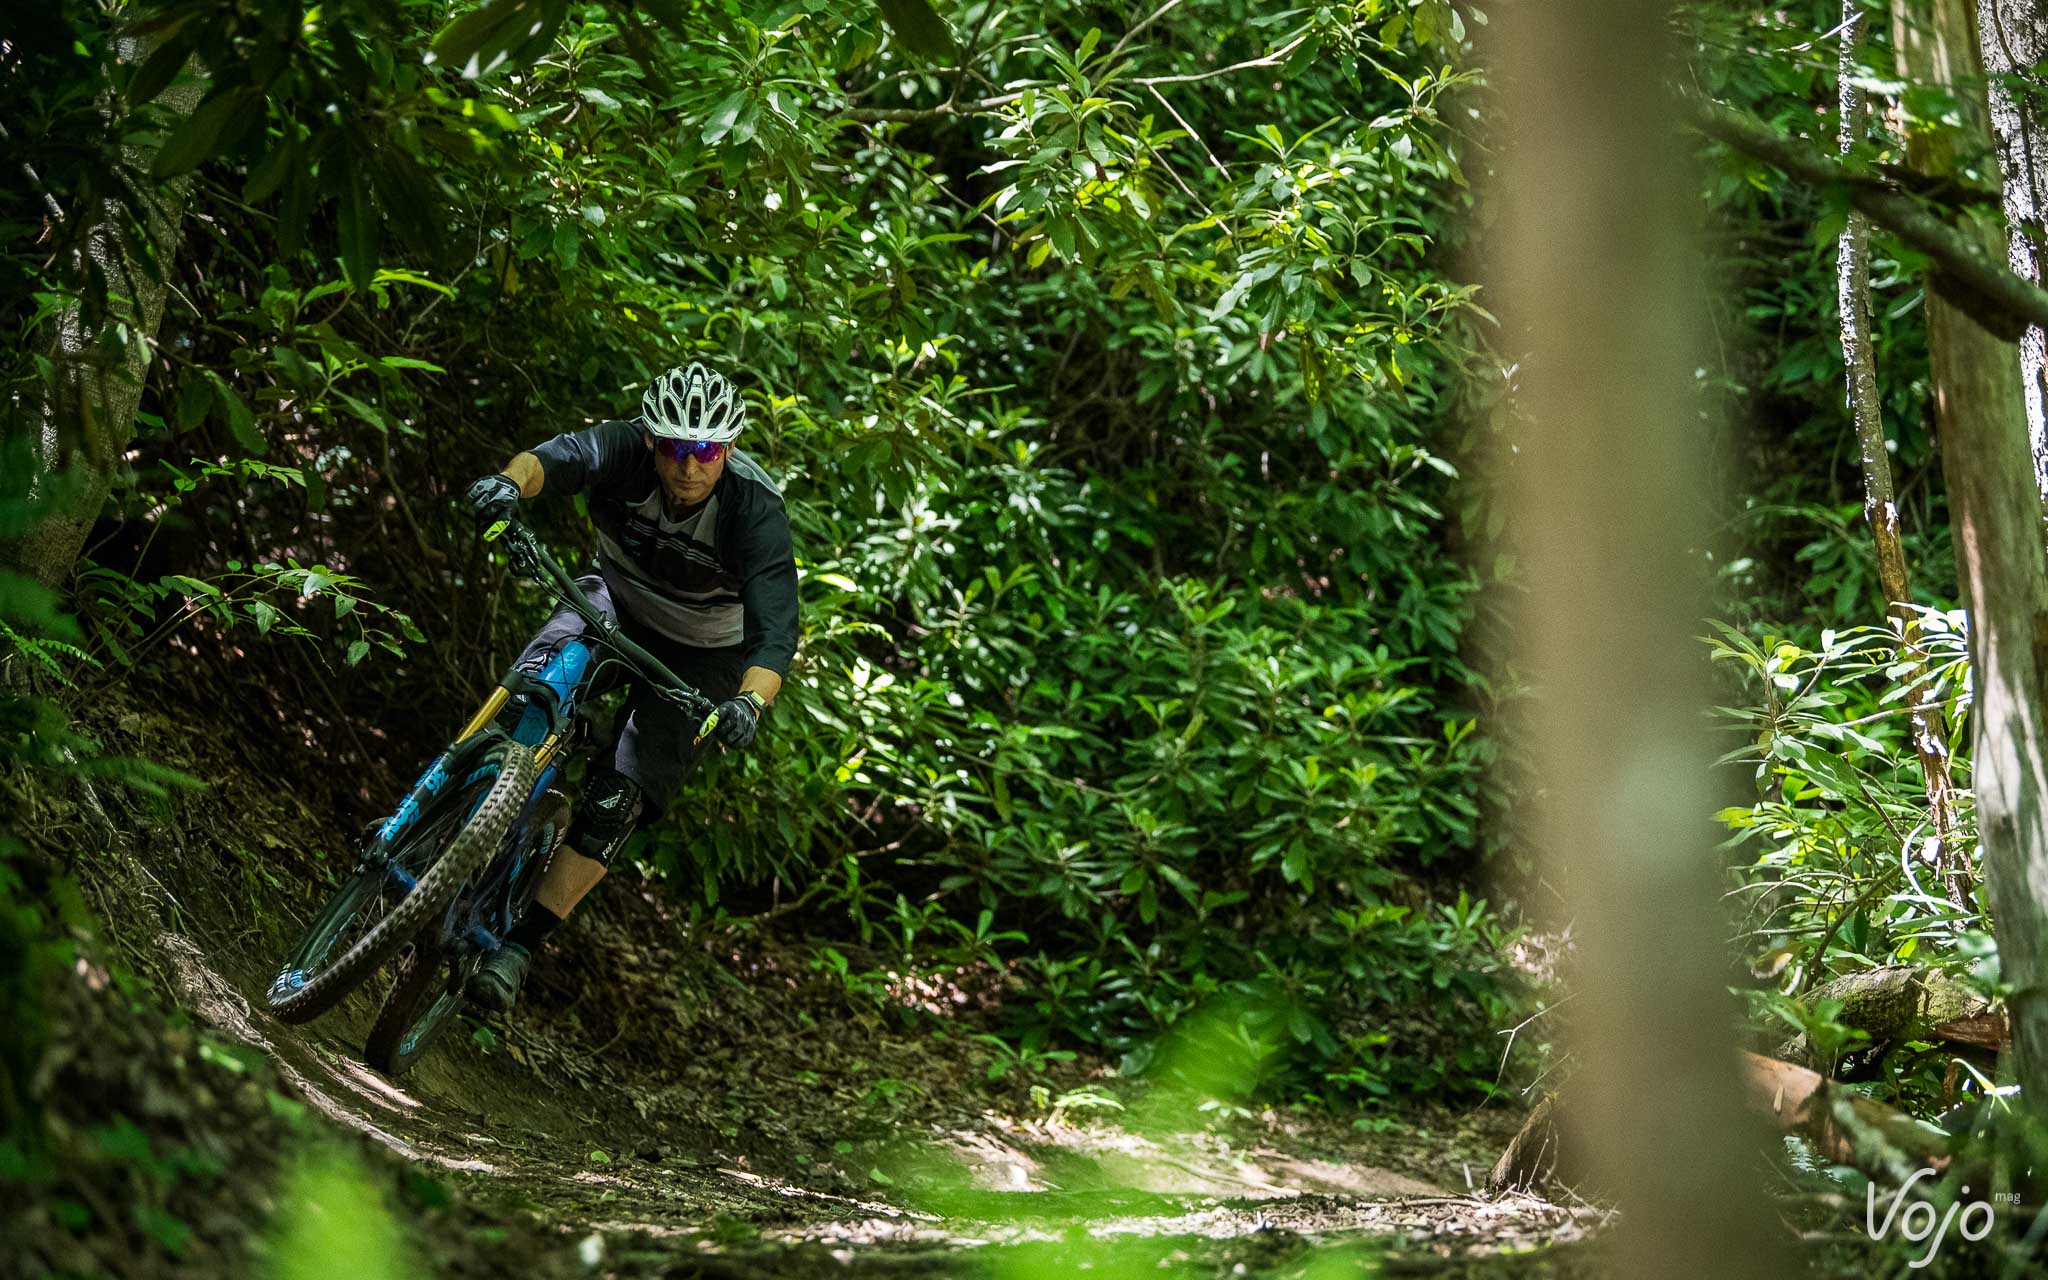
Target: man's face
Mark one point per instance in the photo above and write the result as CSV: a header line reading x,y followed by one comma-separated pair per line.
x,y
687,482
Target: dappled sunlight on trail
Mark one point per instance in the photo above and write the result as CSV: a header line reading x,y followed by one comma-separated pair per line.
x,y
1001,1196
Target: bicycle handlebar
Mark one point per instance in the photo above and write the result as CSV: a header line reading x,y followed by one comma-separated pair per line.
x,y
524,545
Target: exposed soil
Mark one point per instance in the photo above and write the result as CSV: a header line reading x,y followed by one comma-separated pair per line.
x,y
668,1100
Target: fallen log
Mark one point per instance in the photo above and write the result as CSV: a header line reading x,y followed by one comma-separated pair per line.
x,y
1844,1127
1903,1002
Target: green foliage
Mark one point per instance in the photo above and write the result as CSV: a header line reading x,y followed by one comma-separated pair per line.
x,y
1828,848
329,1207
1841,803
1826,1038
1833,860
1108,373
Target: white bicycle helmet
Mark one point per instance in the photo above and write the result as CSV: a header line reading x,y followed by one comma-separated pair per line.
x,y
693,403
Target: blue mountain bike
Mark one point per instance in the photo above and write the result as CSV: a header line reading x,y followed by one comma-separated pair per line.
x,y
445,876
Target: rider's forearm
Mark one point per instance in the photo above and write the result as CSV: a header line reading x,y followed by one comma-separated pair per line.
x,y
526,473
763,681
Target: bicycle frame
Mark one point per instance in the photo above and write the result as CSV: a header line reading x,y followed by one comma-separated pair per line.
x,y
544,724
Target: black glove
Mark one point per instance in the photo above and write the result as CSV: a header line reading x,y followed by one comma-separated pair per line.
x,y
735,721
493,498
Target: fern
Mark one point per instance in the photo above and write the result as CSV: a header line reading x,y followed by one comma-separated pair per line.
x,y
45,652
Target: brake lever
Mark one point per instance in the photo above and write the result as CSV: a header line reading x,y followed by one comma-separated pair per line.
x,y
519,556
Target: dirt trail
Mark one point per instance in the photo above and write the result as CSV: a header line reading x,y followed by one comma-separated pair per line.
x,y
1001,1198
675,1105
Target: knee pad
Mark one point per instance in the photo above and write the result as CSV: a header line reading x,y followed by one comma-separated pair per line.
x,y
611,808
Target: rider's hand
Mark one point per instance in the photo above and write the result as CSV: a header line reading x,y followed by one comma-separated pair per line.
x,y
736,720
493,498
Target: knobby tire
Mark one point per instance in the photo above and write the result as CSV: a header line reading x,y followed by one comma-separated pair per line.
x,y
424,978
466,853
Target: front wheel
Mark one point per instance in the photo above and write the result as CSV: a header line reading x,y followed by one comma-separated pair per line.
x,y
371,916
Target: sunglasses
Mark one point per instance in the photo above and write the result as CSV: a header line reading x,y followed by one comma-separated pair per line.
x,y
703,450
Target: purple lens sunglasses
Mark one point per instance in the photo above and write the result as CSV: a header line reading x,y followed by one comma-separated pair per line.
x,y
706,451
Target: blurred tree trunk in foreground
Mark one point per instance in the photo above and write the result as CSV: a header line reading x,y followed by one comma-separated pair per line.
x,y
1599,272
1852,278
1996,509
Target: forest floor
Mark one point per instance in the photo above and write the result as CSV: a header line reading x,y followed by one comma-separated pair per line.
x,y
667,1100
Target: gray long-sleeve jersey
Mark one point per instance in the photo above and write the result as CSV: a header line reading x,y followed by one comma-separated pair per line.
x,y
716,575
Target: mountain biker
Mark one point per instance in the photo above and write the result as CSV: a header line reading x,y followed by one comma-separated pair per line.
x,y
694,563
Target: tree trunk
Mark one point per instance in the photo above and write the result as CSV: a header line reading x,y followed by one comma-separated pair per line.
x,y
1980,415
83,430
1598,273
2013,37
1852,275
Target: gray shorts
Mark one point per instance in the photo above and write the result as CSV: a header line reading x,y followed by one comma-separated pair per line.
x,y
652,734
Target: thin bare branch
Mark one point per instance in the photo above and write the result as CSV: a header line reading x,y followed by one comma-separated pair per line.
x,y
1272,59
1182,122
1139,30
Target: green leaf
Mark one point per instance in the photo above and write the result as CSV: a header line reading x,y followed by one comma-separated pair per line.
x,y
724,116
24,602
164,63
369,413
359,231
485,39
209,131
386,275
240,421
269,173
357,651
195,397
919,28
124,1140
170,1232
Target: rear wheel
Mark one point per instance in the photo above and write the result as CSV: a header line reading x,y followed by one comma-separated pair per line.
x,y
372,915
426,997
425,1001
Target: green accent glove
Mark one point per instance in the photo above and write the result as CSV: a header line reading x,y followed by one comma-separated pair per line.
x,y
735,721
493,498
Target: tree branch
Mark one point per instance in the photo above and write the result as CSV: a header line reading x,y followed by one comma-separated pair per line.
x,y
1852,277
1182,122
881,115
1139,30
886,115
1955,257
1272,59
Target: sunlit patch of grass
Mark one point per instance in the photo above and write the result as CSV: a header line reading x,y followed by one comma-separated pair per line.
x,y
333,1220
1211,1065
